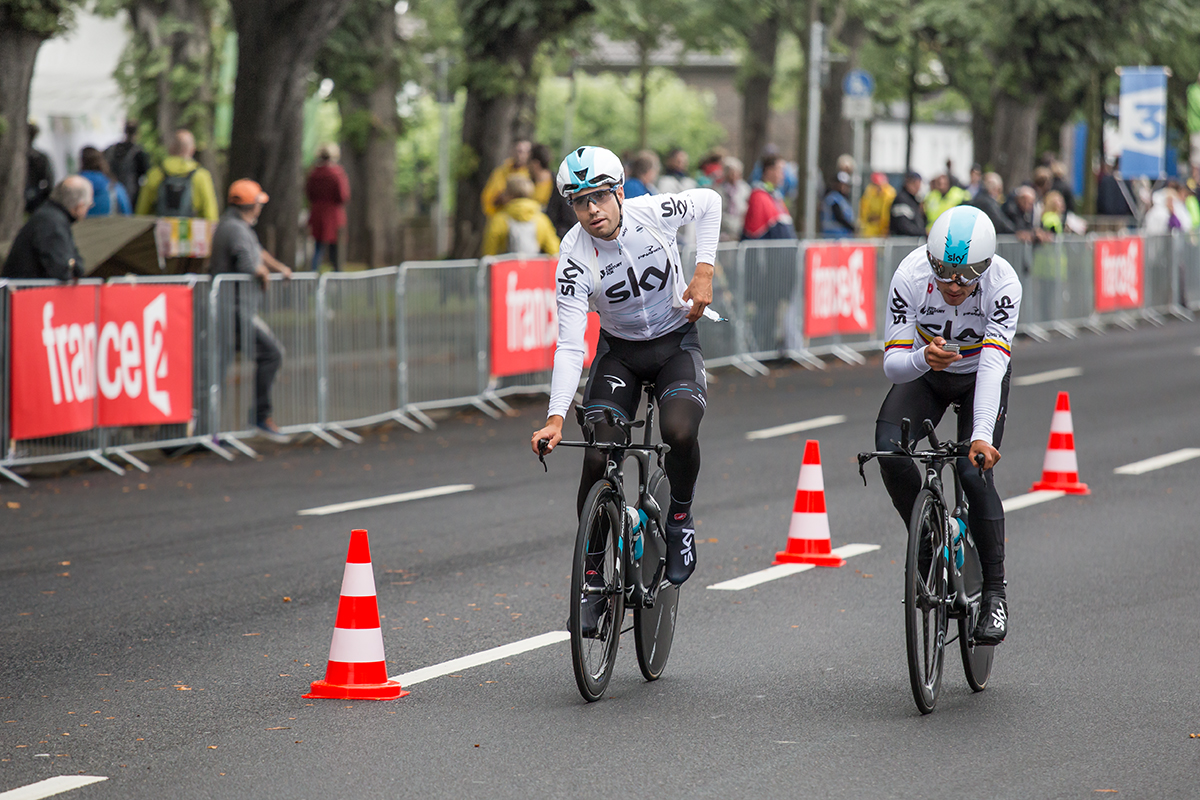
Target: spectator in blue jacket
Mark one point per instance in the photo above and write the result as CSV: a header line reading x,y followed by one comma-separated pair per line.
x,y
643,172
111,197
837,216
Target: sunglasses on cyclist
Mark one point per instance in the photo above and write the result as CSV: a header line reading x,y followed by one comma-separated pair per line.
x,y
581,201
962,274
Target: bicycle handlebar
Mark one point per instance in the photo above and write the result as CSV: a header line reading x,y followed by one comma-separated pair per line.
x,y
938,450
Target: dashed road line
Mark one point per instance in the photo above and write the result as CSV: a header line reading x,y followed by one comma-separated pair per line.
x,y
783,570
796,427
1158,462
1046,377
386,500
50,787
484,657
1031,499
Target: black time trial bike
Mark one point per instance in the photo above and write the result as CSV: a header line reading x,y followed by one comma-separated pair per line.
x,y
942,576
620,556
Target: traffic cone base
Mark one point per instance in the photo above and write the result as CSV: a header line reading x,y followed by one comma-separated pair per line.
x,y
1060,470
356,669
808,536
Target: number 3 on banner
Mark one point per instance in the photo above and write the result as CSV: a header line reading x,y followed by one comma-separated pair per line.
x,y
1150,123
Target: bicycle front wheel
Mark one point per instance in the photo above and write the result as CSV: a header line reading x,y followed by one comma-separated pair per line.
x,y
654,627
926,606
597,590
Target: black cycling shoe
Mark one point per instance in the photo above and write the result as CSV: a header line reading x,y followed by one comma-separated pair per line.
x,y
681,547
592,607
993,620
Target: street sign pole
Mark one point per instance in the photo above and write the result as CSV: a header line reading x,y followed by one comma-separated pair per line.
x,y
814,129
858,91
856,178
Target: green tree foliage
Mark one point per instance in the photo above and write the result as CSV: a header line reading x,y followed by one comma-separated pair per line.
x,y
679,116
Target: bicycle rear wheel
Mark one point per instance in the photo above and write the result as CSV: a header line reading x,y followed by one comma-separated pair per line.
x,y
654,627
598,561
926,611
977,661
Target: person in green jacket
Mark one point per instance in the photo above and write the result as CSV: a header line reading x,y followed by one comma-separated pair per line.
x,y
1050,260
942,196
179,187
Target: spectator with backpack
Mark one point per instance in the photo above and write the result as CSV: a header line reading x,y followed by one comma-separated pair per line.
x,y
519,225
128,162
110,196
179,187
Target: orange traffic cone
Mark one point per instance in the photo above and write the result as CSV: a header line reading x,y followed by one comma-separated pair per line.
x,y
1060,472
808,536
356,669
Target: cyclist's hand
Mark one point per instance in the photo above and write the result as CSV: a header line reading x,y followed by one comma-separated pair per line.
x,y
990,454
552,432
699,291
937,358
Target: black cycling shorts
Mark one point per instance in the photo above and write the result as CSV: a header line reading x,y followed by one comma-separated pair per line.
x,y
928,397
673,362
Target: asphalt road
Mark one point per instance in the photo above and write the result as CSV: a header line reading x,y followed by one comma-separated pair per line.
x,y
159,630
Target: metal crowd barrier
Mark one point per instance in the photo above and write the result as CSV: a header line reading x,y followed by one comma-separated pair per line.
x,y
391,344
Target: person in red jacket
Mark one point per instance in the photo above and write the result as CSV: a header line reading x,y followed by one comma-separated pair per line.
x,y
327,189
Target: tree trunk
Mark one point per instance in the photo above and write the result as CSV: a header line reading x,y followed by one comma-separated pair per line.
x,y
837,133
18,51
643,97
371,214
758,73
1014,136
277,45
981,136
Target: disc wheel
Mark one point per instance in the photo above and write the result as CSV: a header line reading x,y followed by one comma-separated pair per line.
x,y
977,661
597,551
926,611
654,627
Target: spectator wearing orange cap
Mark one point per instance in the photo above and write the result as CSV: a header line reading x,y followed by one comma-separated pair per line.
x,y
236,251
875,207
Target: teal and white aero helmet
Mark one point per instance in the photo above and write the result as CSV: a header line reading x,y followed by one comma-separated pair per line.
x,y
589,168
962,242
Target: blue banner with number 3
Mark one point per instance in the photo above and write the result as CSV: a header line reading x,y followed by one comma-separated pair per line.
x,y
1143,122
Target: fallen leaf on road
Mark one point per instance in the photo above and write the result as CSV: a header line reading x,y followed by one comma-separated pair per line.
x,y
251,634
13,504
212,747
287,599
281,728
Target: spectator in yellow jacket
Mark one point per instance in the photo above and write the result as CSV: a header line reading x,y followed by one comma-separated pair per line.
x,y
875,207
519,225
942,196
517,165
179,187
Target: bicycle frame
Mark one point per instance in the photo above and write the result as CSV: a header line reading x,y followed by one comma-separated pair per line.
x,y
636,591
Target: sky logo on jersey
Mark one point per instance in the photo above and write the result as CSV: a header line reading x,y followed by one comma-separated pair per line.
x,y
619,294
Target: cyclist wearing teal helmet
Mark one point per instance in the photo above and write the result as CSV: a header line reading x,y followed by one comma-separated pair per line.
x,y
622,261
953,306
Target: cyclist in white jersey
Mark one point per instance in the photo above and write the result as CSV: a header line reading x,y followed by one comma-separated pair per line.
x,y
622,261
952,315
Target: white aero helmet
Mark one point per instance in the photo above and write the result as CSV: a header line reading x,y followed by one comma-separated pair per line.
x,y
589,168
962,242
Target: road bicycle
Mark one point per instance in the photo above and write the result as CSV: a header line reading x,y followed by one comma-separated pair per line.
x,y
620,556
942,576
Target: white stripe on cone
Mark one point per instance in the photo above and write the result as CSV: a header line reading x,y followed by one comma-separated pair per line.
x,y
811,479
356,645
808,525
1060,461
1061,422
358,581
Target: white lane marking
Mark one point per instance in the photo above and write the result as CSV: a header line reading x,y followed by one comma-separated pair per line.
x,y
783,570
371,502
1196,351
50,787
1158,462
796,427
1031,499
495,654
1046,377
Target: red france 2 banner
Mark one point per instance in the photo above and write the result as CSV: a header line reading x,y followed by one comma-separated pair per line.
x,y
100,355
1120,274
839,289
144,354
53,337
525,317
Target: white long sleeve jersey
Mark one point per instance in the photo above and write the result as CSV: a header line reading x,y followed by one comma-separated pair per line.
x,y
983,325
641,282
